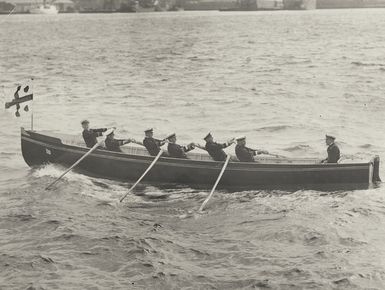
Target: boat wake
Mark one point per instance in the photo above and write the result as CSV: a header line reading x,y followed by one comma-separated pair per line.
x,y
111,191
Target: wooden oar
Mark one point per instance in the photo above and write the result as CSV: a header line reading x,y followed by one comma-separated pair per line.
x,y
80,160
143,175
274,155
216,183
277,156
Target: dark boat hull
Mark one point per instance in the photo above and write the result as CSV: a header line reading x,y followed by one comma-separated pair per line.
x,y
39,149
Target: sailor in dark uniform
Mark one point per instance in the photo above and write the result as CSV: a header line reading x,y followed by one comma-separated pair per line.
x,y
89,135
113,144
245,154
333,151
175,150
215,149
152,145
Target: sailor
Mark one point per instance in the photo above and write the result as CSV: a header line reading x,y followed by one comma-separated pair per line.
x,y
333,151
113,144
245,154
215,149
152,145
89,135
175,150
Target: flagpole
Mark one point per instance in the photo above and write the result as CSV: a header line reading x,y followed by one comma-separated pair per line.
x,y
32,120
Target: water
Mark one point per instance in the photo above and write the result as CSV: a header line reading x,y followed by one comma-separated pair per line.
x,y
284,79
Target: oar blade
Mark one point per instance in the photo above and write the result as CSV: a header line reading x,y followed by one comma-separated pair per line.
x,y
143,175
216,184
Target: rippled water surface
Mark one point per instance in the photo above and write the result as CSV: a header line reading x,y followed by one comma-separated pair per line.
x,y
284,79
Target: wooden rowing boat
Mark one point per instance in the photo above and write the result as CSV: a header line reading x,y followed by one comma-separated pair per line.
x,y
41,148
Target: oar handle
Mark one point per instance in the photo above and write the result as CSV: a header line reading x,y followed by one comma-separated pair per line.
x,y
271,154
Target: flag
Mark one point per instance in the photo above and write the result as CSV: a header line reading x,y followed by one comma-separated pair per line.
x,y
22,95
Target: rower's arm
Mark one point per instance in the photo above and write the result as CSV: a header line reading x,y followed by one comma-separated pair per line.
x,y
136,142
100,130
228,143
200,146
189,147
161,142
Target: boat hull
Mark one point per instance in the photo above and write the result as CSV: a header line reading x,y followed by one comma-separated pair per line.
x,y
39,149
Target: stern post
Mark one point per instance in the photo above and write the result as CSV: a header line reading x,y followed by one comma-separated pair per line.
x,y
376,169
32,121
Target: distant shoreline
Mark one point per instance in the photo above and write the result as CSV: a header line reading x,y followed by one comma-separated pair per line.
x,y
212,10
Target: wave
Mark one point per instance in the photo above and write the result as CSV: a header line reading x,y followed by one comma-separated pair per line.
x,y
293,62
359,63
275,128
300,147
366,146
196,58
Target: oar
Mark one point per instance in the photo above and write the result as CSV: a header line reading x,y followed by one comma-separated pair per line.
x,y
143,175
216,183
274,155
277,156
80,160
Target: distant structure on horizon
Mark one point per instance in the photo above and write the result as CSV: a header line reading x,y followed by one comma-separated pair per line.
x,y
25,6
112,6
252,5
343,4
89,6
92,6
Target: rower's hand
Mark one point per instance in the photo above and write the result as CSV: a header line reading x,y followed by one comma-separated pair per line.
x,y
264,152
191,145
231,141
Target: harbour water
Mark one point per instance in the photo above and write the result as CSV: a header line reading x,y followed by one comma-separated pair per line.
x,y
284,79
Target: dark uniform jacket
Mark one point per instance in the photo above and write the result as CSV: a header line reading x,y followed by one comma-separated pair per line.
x,y
114,144
333,153
90,135
178,151
244,154
216,150
152,145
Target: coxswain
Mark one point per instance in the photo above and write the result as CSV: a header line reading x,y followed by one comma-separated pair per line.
x,y
152,145
245,154
113,144
90,135
175,150
215,149
333,151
